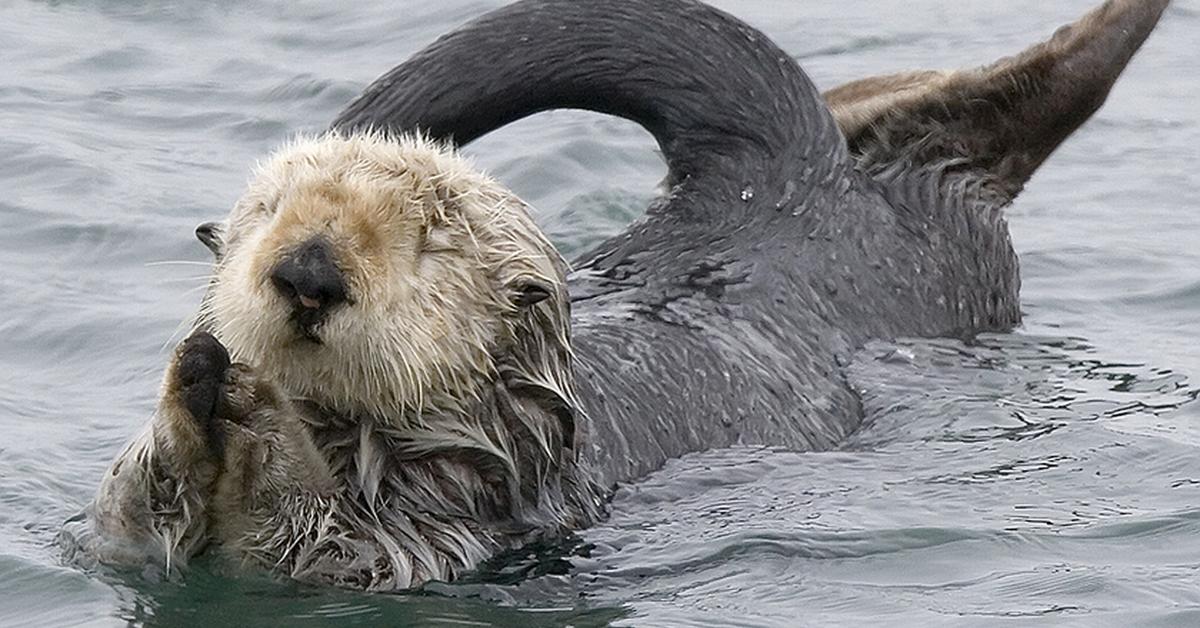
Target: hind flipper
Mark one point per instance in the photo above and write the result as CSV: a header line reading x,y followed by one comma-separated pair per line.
x,y
1001,121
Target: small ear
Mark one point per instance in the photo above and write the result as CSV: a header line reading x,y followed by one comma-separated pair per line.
x,y
211,234
526,292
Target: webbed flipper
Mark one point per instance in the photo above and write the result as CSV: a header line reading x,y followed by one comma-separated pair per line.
x,y
999,121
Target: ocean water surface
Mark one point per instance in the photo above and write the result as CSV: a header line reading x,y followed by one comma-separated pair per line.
x,y
1046,477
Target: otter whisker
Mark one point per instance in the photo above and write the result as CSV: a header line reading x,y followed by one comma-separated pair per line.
x,y
205,278
179,263
183,325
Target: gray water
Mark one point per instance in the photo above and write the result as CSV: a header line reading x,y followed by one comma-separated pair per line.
x,y
1045,477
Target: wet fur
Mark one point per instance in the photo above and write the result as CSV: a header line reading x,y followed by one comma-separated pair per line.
x,y
430,427
441,419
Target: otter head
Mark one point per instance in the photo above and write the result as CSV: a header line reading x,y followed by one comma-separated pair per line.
x,y
386,278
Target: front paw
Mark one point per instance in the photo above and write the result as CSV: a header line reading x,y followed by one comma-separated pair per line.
x,y
200,380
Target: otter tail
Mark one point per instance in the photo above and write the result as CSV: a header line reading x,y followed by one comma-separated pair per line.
x,y
731,111
720,98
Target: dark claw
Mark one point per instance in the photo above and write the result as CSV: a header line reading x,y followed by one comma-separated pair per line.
x,y
203,364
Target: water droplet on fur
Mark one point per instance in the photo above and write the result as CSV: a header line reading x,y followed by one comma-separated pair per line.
x,y
789,190
898,356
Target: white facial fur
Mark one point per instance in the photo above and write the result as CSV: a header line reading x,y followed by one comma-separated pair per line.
x,y
434,256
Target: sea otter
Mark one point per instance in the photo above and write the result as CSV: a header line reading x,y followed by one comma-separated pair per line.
x,y
393,376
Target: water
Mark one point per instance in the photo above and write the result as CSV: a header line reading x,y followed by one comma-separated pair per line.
x,y
1046,477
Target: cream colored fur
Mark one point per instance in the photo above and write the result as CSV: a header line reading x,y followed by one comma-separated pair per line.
x,y
432,424
429,247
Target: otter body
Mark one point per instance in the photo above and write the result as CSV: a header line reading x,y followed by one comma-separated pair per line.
x,y
394,377
788,236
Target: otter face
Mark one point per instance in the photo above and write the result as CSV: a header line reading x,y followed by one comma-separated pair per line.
x,y
380,276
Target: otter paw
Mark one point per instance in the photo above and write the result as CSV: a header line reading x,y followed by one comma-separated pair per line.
x,y
201,376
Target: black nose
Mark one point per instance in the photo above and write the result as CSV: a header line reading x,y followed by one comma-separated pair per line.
x,y
308,278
